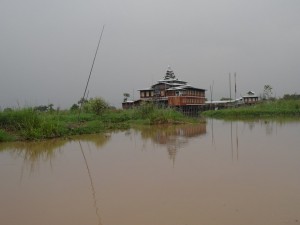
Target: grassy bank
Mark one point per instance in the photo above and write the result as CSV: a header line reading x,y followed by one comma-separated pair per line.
x,y
278,108
30,124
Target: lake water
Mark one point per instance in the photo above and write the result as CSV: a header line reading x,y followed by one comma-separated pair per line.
x,y
218,173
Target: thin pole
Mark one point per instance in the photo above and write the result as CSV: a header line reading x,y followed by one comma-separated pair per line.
x,y
235,86
230,87
87,83
211,87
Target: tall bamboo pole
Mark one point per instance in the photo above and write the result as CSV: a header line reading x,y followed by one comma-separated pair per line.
x,y
87,83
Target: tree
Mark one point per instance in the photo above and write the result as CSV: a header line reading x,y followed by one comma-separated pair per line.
x,y
98,105
294,96
74,107
7,109
267,91
126,96
41,108
50,107
82,101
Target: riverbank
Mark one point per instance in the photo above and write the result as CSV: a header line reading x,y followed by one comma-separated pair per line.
x,y
266,109
29,124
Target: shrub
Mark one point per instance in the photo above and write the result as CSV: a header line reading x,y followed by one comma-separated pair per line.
x,y
74,107
96,106
4,136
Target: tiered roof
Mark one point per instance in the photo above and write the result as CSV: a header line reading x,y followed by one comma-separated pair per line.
x,y
173,83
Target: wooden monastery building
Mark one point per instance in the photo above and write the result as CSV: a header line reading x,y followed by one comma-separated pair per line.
x,y
172,92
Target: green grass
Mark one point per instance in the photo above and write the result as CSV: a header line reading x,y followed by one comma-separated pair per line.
x,y
29,124
278,108
4,136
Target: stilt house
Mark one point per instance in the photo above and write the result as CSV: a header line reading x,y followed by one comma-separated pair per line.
x,y
251,98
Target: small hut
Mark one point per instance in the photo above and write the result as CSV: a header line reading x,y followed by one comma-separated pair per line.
x,y
250,98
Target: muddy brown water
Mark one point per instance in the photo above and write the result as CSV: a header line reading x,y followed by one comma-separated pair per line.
x,y
218,173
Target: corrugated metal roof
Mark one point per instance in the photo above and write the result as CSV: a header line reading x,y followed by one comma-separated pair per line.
x,y
250,94
146,89
184,87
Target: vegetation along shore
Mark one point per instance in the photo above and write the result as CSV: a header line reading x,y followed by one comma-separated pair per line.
x,y
96,116
264,109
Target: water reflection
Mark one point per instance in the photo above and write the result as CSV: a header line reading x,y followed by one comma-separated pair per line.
x,y
174,137
34,153
270,125
226,174
99,140
236,128
234,141
234,138
92,185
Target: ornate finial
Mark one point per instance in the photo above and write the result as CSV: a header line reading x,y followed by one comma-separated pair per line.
x,y
169,74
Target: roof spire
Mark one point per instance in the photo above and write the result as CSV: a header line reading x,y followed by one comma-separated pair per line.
x,y
169,74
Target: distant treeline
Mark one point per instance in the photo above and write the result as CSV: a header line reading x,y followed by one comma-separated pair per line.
x,y
291,97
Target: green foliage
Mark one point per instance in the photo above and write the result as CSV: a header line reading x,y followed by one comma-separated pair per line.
x,y
4,136
82,101
294,96
98,105
44,108
145,109
118,116
276,108
8,110
19,119
95,105
30,124
74,107
157,115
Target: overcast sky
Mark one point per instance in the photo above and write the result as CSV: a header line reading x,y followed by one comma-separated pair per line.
x,y
47,47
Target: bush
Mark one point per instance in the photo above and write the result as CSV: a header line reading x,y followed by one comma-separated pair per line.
x,y
74,107
4,136
96,105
